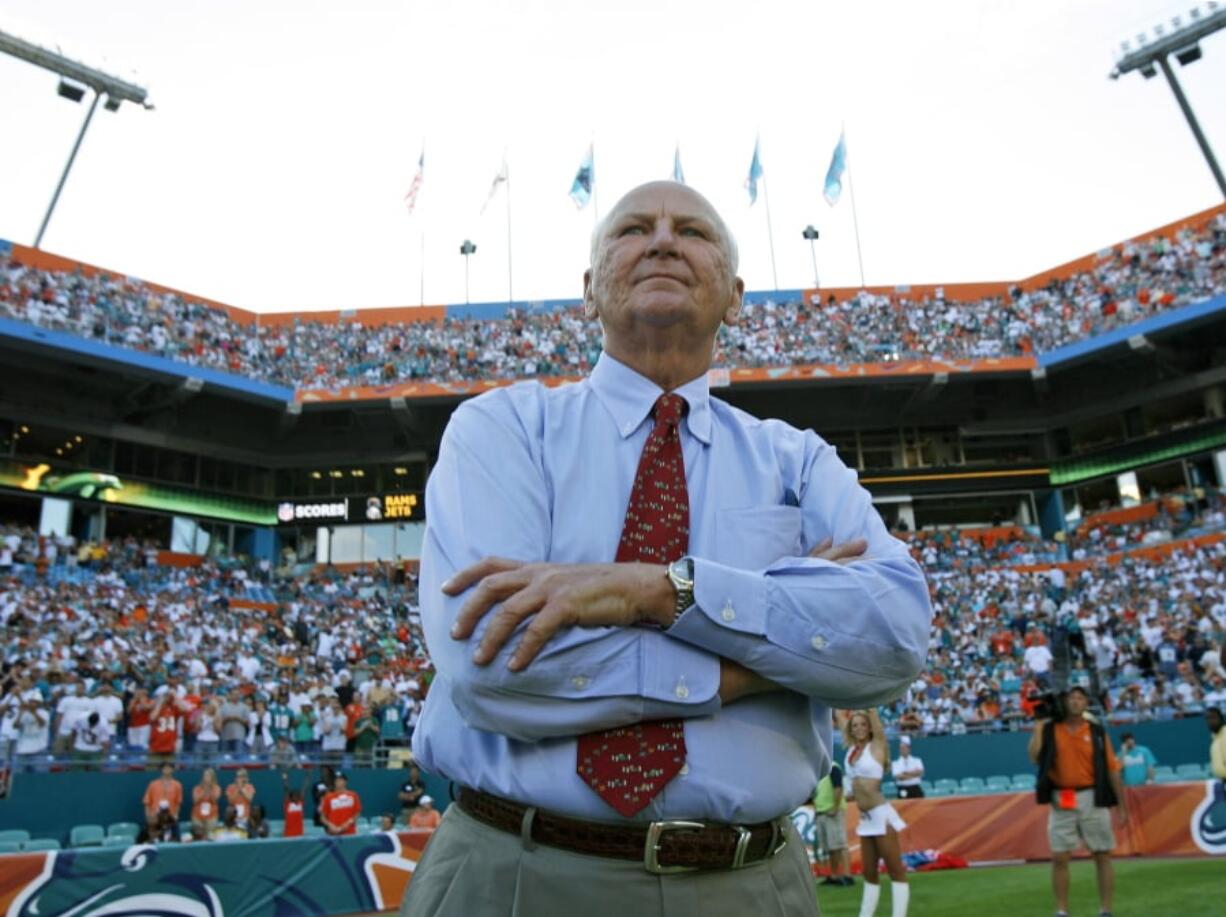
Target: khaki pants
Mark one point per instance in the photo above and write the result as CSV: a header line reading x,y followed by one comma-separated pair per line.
x,y
471,870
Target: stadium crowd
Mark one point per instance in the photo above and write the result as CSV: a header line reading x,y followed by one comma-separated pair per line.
x,y
1129,282
105,651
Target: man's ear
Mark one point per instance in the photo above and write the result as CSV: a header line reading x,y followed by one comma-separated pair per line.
x,y
589,304
733,313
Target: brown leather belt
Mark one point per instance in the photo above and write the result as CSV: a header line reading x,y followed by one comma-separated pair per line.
x,y
663,846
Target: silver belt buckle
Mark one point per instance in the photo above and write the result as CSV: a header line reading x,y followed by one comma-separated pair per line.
x,y
651,849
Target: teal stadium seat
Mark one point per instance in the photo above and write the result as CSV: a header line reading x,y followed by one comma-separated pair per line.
x,y
1190,772
945,787
123,829
1163,770
999,783
15,834
1023,782
10,846
86,836
41,843
314,831
276,827
926,786
118,840
971,785
889,790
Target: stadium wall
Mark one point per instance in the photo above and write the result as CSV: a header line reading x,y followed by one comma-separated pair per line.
x,y
48,805
1173,742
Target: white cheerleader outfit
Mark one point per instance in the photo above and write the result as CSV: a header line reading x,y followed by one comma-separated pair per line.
x,y
874,821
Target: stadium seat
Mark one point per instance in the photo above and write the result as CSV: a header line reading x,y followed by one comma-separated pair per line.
x,y
1168,776
1190,771
10,846
889,790
998,783
945,787
970,785
86,836
314,831
118,840
41,843
926,786
123,829
276,827
1023,781
1161,771
14,834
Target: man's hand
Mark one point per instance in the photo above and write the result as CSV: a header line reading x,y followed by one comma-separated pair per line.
x,y
736,681
554,596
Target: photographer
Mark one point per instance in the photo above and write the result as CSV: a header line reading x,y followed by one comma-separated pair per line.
x,y
1079,776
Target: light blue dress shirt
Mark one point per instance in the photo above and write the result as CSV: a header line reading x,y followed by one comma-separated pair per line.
x,y
544,474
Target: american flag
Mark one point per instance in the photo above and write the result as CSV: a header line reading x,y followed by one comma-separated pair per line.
x,y
410,197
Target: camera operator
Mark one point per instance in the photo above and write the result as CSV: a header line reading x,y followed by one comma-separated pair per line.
x,y
1079,776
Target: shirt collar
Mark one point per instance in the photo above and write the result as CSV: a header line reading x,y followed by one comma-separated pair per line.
x,y
629,397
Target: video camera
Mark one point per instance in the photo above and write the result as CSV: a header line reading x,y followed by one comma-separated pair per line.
x,y
1049,706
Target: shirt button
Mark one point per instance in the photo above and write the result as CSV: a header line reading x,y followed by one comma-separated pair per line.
x,y
685,769
579,681
818,642
682,691
729,613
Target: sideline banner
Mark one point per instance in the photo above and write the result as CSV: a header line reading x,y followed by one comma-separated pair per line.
x,y
1174,819
317,875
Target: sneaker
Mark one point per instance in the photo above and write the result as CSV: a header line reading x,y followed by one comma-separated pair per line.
x,y
847,881
830,880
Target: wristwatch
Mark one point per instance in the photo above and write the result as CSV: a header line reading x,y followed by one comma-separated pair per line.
x,y
681,575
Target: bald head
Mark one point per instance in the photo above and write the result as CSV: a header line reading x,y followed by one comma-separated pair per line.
x,y
649,194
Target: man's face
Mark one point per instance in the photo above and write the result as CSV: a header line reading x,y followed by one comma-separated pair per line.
x,y
1128,743
1076,704
662,259
1213,719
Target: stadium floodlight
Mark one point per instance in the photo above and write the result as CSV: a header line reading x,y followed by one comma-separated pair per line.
x,y
812,235
1180,38
466,248
75,77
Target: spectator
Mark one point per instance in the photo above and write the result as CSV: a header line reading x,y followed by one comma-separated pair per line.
x,y
292,810
410,794
163,792
257,826
33,727
73,706
164,725
259,729
365,736
140,718
324,785
425,817
205,801
340,808
907,771
91,737
164,828
239,796
1138,761
109,707
229,829
283,756
234,716
208,735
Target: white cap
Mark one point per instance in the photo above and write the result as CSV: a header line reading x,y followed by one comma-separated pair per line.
x,y
427,800
904,740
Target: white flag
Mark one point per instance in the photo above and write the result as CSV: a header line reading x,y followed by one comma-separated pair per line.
x,y
502,176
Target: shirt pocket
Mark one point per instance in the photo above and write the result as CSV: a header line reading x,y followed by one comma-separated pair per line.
x,y
754,537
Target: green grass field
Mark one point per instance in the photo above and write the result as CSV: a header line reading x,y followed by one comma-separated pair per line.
x,y
1143,888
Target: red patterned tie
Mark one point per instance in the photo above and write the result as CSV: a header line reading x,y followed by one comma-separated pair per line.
x,y
628,767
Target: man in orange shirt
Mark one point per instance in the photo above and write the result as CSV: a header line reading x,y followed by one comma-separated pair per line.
x,y
426,816
340,808
1079,776
163,790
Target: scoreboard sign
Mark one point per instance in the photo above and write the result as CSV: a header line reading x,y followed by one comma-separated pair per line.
x,y
397,507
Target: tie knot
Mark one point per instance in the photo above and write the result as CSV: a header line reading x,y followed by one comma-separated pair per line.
x,y
668,410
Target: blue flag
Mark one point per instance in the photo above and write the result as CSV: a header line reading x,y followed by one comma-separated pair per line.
x,y
678,175
585,179
755,172
834,175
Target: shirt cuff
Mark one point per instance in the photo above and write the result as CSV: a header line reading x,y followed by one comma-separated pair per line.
x,y
726,597
674,673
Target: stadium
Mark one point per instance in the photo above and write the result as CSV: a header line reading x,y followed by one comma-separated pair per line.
x,y
213,521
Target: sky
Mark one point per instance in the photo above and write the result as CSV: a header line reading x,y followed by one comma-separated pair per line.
x,y
985,140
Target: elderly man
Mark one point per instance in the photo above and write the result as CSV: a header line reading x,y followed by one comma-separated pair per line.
x,y
641,602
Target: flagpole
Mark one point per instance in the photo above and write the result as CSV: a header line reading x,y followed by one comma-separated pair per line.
x,y
510,284
855,222
770,234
